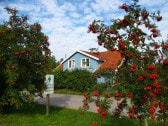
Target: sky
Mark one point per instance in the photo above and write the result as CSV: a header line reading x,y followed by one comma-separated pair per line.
x,y
66,22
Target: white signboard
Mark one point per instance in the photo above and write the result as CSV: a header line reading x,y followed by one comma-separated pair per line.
x,y
49,81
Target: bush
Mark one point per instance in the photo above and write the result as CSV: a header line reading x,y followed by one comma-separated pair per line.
x,y
77,79
60,79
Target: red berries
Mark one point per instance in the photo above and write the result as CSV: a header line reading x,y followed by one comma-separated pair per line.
x,y
125,7
159,18
152,110
92,28
16,53
13,67
1,32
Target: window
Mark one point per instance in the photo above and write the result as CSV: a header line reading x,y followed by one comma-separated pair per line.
x,y
71,64
85,63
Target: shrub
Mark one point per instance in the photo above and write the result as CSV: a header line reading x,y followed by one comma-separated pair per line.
x,y
77,79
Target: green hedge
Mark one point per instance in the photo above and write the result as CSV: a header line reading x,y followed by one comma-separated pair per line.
x,y
77,79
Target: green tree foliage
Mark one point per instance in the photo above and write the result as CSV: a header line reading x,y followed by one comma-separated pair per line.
x,y
53,62
23,60
142,77
77,80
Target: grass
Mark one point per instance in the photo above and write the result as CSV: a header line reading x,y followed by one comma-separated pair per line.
x,y
34,115
66,91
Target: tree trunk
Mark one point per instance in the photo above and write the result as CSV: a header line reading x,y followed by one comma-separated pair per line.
x,y
145,121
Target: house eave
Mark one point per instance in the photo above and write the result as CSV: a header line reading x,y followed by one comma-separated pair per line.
x,y
79,51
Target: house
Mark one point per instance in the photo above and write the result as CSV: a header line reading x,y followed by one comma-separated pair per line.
x,y
92,61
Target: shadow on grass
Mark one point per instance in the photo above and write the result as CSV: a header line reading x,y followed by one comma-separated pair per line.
x,y
34,108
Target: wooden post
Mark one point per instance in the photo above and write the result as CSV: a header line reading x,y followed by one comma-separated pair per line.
x,y
47,104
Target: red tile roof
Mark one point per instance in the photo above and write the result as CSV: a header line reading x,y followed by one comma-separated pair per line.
x,y
111,59
59,67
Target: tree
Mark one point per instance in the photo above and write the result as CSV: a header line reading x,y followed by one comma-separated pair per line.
x,y
53,62
23,60
142,77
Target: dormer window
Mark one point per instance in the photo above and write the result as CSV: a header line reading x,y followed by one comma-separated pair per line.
x,y
85,62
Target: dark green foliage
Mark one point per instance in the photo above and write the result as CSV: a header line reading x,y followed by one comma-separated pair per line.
x,y
60,79
23,60
77,80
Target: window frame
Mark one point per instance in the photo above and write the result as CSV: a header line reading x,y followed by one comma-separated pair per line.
x,y
85,62
71,63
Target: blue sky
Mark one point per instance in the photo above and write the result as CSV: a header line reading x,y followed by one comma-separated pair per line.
x,y
65,22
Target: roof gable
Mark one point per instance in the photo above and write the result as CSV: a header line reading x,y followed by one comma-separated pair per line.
x,y
81,52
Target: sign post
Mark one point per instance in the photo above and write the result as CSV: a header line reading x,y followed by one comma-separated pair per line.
x,y
49,81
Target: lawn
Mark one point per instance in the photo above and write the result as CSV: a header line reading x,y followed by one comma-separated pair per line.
x,y
34,115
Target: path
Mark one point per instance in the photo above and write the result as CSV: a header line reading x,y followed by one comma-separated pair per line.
x,y
69,101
